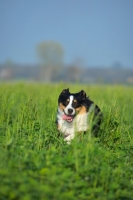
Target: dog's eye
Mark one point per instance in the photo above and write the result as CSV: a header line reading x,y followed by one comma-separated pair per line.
x,y
75,104
66,102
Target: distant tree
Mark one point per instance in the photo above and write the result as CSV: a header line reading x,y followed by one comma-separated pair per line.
x,y
9,63
73,73
51,56
9,68
117,65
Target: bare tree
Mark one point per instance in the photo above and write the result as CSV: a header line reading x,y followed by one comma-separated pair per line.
x,y
51,55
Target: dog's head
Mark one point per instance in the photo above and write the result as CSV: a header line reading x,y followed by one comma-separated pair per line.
x,y
71,104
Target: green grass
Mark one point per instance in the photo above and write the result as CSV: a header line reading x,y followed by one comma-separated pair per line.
x,y
36,164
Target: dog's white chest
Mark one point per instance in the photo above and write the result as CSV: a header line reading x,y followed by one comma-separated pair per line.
x,y
80,123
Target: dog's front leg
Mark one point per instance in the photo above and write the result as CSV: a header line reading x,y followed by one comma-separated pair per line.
x,y
69,137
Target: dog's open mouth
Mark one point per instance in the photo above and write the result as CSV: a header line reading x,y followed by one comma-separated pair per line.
x,y
68,118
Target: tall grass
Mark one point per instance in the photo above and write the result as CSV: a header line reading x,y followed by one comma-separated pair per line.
x,y
36,163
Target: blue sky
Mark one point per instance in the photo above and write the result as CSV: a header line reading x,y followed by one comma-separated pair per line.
x,y
94,32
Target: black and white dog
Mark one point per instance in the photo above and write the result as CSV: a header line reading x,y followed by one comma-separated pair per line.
x,y
73,114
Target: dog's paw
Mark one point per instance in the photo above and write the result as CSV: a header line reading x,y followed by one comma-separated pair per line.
x,y
68,138
67,141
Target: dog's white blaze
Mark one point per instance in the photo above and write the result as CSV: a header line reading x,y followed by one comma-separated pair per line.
x,y
69,106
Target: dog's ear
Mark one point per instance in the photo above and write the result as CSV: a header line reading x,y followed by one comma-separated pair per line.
x,y
63,95
83,94
65,91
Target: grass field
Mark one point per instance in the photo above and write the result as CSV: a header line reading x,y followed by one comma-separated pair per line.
x,y
36,164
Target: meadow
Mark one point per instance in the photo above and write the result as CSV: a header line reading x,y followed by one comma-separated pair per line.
x,y
36,163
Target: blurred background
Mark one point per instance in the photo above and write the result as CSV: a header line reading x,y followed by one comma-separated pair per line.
x,y
87,41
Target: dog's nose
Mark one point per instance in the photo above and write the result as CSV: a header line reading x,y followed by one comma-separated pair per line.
x,y
70,111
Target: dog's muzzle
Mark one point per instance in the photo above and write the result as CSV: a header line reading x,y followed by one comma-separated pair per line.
x,y
68,118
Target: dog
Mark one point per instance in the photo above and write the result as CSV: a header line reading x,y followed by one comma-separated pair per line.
x,y
73,114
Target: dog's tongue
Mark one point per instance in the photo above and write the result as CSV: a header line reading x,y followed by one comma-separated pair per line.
x,y
67,117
